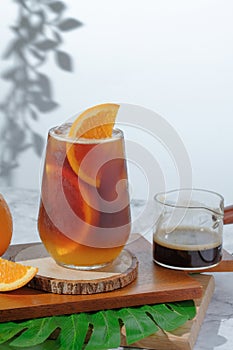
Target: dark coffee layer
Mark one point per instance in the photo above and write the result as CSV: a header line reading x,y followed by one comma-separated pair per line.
x,y
186,258
187,248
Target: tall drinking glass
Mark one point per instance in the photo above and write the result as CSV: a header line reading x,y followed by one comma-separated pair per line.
x,y
84,215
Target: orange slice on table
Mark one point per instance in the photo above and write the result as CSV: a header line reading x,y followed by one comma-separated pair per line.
x,y
14,275
94,123
6,226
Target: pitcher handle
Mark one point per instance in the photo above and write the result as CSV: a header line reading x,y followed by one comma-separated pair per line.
x,y
228,215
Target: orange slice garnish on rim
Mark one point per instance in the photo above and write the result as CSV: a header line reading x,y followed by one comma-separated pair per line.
x,y
95,123
14,275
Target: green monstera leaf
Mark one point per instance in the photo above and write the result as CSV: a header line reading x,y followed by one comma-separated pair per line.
x,y
95,330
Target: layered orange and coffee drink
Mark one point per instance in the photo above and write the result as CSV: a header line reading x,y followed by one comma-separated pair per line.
x,y
84,215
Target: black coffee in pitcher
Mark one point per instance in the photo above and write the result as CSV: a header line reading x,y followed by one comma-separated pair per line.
x,y
187,248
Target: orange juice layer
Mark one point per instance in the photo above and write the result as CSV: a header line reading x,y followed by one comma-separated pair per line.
x,y
74,222
66,251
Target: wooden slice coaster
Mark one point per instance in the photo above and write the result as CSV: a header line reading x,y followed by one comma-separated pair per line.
x,y
57,279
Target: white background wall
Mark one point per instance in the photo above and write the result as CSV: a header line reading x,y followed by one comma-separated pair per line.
x,y
174,57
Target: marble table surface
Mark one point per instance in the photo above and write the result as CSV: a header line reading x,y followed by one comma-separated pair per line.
x,y
217,329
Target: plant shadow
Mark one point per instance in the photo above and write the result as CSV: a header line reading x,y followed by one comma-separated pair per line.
x,y
37,34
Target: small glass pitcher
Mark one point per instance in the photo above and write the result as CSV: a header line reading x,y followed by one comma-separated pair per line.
x,y
188,232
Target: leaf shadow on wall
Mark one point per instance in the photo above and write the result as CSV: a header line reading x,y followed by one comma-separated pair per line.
x,y
37,35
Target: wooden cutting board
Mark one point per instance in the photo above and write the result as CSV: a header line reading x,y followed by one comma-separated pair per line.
x,y
154,284
184,337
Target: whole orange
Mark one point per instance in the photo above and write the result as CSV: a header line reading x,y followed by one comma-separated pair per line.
x,y
6,225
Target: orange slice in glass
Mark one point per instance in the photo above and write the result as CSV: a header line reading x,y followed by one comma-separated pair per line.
x,y
14,275
94,123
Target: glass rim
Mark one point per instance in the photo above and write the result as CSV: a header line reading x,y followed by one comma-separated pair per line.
x,y
195,190
116,134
